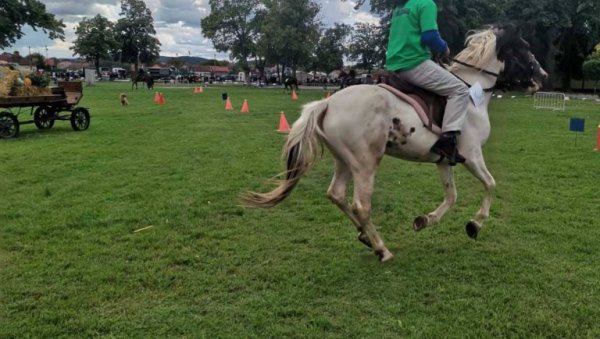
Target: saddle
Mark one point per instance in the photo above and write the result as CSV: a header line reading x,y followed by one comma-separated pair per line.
x,y
429,106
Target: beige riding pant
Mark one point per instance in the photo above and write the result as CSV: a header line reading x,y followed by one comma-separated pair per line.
x,y
436,79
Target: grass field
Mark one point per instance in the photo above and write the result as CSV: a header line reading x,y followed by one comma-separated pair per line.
x,y
73,265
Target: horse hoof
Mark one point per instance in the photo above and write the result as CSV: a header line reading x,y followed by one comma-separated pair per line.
x,y
420,222
472,229
365,240
384,255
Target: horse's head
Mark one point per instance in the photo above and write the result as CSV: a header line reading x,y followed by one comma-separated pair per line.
x,y
521,68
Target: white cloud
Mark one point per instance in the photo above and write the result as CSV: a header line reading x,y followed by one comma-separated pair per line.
x,y
177,24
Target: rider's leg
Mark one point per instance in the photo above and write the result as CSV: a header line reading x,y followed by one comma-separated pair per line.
x,y
434,78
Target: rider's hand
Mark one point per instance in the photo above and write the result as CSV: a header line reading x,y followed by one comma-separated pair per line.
x,y
446,54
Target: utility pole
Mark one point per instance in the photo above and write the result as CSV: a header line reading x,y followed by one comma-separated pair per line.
x,y
29,57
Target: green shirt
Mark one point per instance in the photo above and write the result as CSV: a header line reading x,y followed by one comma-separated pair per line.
x,y
405,49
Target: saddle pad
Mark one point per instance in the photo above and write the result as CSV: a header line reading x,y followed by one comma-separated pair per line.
x,y
418,106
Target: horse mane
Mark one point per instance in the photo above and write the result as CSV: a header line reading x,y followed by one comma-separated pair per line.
x,y
480,49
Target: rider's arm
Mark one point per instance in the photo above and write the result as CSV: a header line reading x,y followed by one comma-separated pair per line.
x,y
430,35
434,41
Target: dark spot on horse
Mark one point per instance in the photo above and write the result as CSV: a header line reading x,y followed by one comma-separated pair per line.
x,y
404,142
396,121
412,130
389,144
447,185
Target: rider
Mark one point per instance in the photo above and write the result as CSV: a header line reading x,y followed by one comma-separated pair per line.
x,y
414,32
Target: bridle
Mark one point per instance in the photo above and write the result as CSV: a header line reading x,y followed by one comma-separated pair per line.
x,y
477,68
495,75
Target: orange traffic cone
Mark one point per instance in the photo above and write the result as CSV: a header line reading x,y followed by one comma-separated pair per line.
x,y
294,95
245,108
598,140
228,105
200,90
283,124
156,97
196,90
161,99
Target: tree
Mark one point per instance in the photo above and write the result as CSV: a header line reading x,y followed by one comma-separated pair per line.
x,y
331,48
16,57
231,26
366,47
457,17
177,63
591,70
95,40
295,29
591,67
37,60
14,14
561,33
269,44
135,34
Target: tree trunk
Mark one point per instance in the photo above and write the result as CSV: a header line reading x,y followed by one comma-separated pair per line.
x,y
97,64
549,53
278,74
565,81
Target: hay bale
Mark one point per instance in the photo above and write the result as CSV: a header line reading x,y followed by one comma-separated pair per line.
x,y
31,91
8,79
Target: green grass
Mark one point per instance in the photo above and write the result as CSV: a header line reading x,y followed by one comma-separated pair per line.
x,y
72,265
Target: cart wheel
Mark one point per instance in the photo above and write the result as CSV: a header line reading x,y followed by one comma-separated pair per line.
x,y
80,119
9,125
43,117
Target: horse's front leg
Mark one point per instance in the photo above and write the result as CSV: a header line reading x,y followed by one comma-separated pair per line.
x,y
476,166
447,178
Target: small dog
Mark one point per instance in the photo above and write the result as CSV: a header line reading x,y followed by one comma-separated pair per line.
x,y
124,101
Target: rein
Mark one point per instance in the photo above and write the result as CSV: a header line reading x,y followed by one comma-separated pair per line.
x,y
491,89
477,68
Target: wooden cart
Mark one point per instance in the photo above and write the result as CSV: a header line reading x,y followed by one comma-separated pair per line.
x,y
45,109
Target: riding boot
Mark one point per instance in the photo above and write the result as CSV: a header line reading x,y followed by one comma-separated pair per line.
x,y
446,147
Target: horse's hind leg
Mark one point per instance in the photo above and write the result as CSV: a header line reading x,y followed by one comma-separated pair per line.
x,y
361,206
447,178
476,166
337,194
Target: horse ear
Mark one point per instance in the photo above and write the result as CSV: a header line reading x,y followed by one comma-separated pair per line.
x,y
498,31
520,37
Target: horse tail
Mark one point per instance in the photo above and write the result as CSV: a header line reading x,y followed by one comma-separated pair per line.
x,y
301,151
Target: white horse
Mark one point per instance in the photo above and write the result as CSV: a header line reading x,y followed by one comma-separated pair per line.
x,y
362,123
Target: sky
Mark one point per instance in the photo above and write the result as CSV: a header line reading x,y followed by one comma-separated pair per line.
x,y
177,24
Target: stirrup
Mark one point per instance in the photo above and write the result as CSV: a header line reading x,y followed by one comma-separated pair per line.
x,y
453,158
